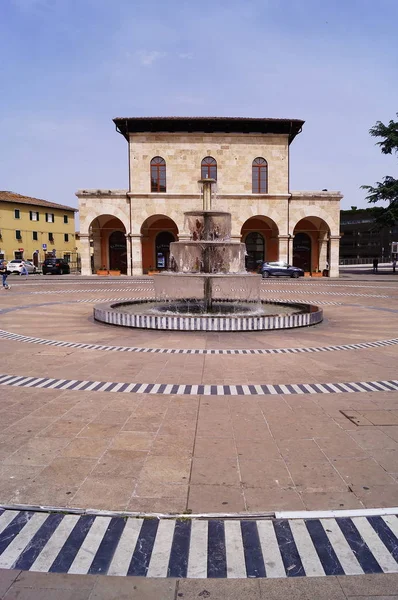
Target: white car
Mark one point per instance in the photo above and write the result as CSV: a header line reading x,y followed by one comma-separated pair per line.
x,y
15,266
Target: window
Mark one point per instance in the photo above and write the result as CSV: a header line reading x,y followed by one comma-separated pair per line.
x,y
65,218
209,168
50,217
158,174
51,237
67,257
18,235
17,214
34,236
34,215
66,237
259,176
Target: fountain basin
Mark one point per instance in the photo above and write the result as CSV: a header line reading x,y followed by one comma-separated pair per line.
x,y
144,314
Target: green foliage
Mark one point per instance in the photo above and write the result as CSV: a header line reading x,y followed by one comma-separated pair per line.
x,y
387,189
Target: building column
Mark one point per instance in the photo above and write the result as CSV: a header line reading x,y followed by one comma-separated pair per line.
x,y
323,253
129,254
334,256
97,250
136,254
85,254
290,244
283,247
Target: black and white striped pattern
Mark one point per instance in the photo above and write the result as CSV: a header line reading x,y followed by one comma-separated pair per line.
x,y
79,345
113,314
200,389
318,292
80,291
193,548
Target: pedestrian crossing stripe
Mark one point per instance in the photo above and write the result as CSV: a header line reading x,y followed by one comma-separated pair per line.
x,y
197,548
80,345
198,389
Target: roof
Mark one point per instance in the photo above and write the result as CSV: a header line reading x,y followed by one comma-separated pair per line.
x,y
19,199
126,125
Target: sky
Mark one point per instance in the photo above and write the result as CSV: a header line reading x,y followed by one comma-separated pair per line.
x,y
69,66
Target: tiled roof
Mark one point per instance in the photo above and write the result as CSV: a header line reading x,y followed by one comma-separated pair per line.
x,y
19,199
126,125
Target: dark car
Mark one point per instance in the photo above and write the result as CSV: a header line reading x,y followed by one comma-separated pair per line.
x,y
280,269
55,266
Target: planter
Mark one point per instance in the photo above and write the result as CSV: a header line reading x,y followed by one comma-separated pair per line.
x,y
102,272
114,273
153,272
313,274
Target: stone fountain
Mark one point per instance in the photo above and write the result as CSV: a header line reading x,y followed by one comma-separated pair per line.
x,y
207,287
209,266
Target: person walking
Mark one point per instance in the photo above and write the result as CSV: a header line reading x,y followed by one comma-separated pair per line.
x,y
375,265
24,270
4,274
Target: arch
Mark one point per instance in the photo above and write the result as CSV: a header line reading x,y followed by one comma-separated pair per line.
x,y
259,176
157,231
256,228
208,168
311,244
158,174
108,247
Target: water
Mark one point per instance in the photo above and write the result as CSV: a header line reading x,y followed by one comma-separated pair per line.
x,y
195,307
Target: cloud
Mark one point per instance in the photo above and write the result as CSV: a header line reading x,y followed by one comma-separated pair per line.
x,y
185,55
148,57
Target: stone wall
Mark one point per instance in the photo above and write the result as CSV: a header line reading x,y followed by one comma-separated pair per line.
x,y
184,153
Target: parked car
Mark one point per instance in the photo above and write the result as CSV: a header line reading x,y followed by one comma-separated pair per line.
x,y
55,266
15,265
280,269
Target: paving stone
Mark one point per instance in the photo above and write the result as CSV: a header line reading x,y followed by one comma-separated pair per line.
x,y
385,584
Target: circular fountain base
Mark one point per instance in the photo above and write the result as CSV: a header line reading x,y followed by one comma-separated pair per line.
x,y
224,316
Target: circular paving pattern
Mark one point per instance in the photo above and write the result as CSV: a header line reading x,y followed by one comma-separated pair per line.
x,y
114,419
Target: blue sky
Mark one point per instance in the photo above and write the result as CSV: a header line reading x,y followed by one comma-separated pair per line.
x,y
69,66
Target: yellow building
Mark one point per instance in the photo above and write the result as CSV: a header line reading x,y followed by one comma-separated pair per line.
x,y
34,229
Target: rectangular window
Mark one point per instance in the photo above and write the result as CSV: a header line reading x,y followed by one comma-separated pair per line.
x,y
66,237
18,235
17,214
65,218
34,215
50,237
50,217
34,236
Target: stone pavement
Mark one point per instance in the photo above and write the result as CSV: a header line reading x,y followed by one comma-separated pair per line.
x,y
284,420
17,585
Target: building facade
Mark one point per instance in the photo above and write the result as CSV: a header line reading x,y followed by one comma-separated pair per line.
x,y
33,229
249,158
362,239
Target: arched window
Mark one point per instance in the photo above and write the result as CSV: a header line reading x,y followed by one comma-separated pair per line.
x,y
259,176
158,174
209,168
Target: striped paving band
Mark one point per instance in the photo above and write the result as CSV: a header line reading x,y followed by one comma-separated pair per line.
x,y
145,289
190,548
17,337
199,389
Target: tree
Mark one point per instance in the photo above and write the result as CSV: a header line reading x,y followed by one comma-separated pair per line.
x,y
387,189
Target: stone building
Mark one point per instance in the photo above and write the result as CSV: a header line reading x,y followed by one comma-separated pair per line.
x,y
131,229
